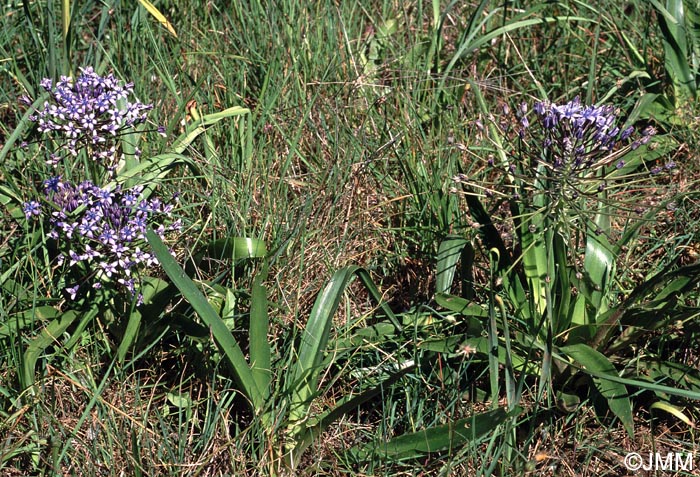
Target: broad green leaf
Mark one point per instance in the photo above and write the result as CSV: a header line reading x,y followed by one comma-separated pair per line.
x,y
48,336
641,292
448,437
12,203
599,263
179,400
154,291
314,340
153,168
567,402
613,391
534,258
561,295
657,388
347,404
195,129
461,305
579,330
16,322
680,375
132,328
260,361
449,253
676,55
313,345
223,337
235,248
692,17
442,345
370,335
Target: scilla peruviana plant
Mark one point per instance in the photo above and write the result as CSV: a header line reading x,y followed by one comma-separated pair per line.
x,y
97,199
563,171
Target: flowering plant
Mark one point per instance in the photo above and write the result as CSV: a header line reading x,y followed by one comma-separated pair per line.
x,y
91,223
553,258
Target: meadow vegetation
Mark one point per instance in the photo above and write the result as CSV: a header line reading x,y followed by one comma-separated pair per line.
x,y
348,238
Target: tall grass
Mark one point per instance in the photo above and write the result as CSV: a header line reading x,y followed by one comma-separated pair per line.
x,y
314,143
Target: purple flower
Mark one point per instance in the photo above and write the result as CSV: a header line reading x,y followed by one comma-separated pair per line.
x,y
73,291
31,209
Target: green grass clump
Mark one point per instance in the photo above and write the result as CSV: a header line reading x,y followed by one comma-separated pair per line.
x,y
379,270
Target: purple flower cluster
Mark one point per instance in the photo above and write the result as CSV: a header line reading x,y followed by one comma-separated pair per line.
x,y
103,229
576,138
89,112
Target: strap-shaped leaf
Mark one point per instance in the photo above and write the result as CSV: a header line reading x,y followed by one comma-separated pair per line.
x,y
613,391
447,437
305,376
223,337
449,253
195,129
260,361
46,338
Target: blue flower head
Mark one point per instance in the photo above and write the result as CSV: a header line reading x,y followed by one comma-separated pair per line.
x,y
89,112
101,232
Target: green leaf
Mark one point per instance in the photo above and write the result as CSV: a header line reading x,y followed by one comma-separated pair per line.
x,y
12,203
313,345
260,361
180,400
462,306
197,128
305,376
613,391
347,404
152,168
223,337
236,248
534,257
46,338
15,322
152,290
673,410
447,437
132,328
599,265
676,56
449,253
